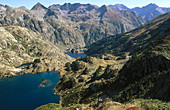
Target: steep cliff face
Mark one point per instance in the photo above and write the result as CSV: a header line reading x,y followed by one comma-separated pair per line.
x,y
21,46
71,25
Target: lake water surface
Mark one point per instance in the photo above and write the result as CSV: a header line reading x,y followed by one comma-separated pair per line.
x,y
76,55
23,92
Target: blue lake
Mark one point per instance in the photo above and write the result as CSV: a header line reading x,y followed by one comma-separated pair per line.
x,y
23,92
76,55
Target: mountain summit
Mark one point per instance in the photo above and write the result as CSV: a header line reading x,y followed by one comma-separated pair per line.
x,y
119,7
38,6
151,5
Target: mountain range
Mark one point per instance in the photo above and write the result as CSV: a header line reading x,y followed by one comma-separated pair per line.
x,y
147,12
71,25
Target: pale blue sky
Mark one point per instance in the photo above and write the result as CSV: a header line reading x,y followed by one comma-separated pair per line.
x,y
128,3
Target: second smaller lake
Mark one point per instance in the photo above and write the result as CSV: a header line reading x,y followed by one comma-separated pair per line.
x,y
76,55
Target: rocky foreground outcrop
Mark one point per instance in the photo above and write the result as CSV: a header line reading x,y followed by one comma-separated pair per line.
x,y
22,50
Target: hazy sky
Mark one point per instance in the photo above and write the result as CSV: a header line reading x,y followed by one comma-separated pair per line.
x,y
128,3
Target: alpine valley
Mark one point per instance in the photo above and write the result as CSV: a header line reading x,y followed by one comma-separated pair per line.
x,y
68,26
127,68
125,60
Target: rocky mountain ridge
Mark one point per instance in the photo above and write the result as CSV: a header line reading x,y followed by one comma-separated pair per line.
x,y
147,12
71,25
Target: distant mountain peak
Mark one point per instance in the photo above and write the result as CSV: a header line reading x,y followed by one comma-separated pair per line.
x,y
147,12
23,7
152,5
103,8
54,6
38,6
120,4
66,6
119,7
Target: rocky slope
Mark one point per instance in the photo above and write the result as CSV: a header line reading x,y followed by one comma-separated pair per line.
x,y
71,25
148,12
152,36
21,50
53,29
94,80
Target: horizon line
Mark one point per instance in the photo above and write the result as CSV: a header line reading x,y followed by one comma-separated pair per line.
x,y
82,3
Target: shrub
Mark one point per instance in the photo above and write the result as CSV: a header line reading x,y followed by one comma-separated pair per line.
x,y
68,66
86,71
87,59
37,61
77,66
